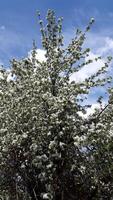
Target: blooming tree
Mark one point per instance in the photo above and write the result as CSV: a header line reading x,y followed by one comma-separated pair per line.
x,y
47,149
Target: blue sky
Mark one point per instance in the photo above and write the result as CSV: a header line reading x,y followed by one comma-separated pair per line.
x,y
18,22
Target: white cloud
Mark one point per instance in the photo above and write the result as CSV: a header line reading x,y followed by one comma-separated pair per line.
x,y
88,70
40,55
91,110
10,77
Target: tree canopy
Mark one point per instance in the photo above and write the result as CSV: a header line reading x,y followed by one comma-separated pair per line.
x,y
47,149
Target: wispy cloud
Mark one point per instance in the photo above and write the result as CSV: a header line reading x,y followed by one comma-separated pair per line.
x,y
2,27
13,44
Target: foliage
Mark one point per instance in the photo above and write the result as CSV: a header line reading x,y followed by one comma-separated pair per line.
x,y
47,149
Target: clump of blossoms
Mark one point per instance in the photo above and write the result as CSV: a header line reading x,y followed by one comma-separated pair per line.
x,y
47,150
